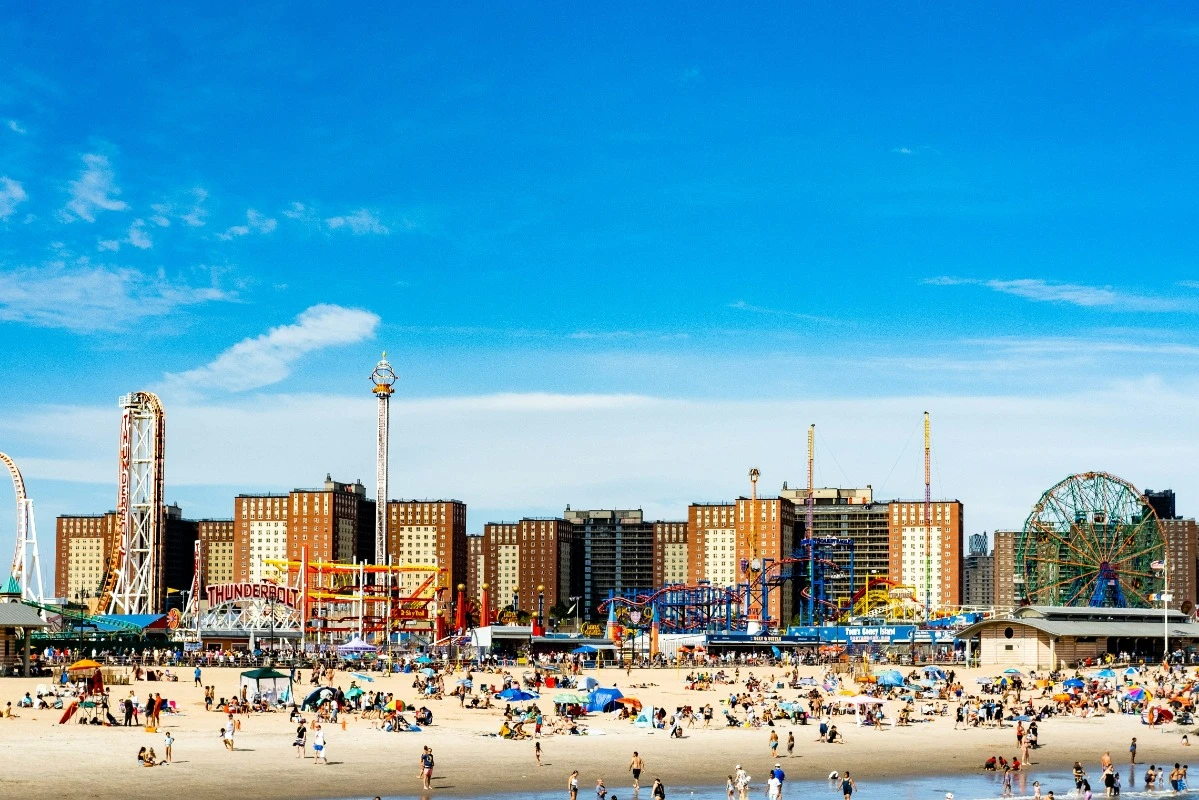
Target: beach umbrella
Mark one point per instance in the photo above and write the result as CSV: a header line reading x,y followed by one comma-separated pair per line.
x,y
86,663
570,697
1073,683
1105,673
584,649
360,676
428,673
935,672
890,677
983,680
777,653
635,703
354,692
1132,671
515,695
424,660
1013,671
395,705
1138,694
1062,697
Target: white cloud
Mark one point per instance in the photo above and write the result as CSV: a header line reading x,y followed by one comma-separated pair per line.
x,y
359,223
12,194
741,305
1074,294
84,297
904,151
95,190
195,215
161,215
138,237
298,211
653,452
108,245
267,359
16,127
255,221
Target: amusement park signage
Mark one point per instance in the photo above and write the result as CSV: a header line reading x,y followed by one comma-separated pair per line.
x,y
410,613
232,592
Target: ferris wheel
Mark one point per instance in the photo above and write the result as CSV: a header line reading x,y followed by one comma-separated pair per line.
x,y
1091,540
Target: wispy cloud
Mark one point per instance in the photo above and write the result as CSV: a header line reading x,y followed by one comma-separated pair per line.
x,y
138,236
689,76
626,335
1189,284
741,305
360,223
299,211
94,190
913,151
16,127
255,222
269,358
1074,294
84,297
12,194
189,210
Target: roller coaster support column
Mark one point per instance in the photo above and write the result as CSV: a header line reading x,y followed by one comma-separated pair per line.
x,y
653,631
610,633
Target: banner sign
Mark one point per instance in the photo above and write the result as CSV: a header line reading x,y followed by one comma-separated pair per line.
x,y
232,592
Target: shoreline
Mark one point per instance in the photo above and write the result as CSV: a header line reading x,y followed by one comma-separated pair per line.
x,y
367,762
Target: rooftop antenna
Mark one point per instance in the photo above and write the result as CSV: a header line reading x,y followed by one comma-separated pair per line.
x,y
928,520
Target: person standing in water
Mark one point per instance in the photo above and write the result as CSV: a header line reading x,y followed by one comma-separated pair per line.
x,y
847,786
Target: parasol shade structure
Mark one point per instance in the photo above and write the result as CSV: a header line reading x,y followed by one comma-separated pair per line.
x,y
515,695
571,697
584,650
83,664
356,645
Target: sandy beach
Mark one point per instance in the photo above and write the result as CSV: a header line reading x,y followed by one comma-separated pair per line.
x,y
44,759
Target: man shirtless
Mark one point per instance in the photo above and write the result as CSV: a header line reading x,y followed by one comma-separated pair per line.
x,y
635,767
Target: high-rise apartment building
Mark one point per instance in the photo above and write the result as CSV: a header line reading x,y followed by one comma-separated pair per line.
x,y
1163,503
978,575
712,544
83,542
766,531
927,554
216,551
1180,536
476,567
1006,595
618,554
520,556
848,514
671,553
428,532
179,557
323,522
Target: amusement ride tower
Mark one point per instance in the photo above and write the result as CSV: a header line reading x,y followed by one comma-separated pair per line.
x,y
384,378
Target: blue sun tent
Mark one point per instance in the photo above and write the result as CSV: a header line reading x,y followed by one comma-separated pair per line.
x,y
604,699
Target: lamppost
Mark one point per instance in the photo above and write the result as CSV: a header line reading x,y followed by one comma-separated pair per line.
x,y
515,600
1166,597
541,608
575,600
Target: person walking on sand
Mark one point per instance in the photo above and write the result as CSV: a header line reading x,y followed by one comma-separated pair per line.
x,y
774,743
537,753
742,783
1132,751
1007,782
426,768
572,785
300,740
197,673
790,743
635,767
167,741
847,786
319,751
729,786
227,738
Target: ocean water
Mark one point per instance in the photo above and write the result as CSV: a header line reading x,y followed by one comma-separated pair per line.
x,y
984,786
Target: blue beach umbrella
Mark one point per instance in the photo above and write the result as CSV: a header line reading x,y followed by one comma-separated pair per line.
x,y
1073,683
1105,673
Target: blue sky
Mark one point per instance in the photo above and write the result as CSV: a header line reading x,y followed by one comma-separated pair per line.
x,y
618,257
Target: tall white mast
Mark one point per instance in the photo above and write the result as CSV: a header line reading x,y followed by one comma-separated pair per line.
x,y
384,378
